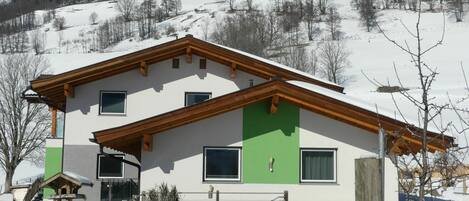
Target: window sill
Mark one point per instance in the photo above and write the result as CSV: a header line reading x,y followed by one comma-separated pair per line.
x,y
112,115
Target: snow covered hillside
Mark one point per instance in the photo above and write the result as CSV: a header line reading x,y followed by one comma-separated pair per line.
x,y
371,53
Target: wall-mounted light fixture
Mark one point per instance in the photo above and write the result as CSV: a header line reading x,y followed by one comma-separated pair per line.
x,y
271,164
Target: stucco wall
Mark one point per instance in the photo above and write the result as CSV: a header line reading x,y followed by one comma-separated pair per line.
x,y
177,158
161,91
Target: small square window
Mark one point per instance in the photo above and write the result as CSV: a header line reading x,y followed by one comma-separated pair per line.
x,y
222,164
318,165
109,167
112,102
196,97
175,63
203,63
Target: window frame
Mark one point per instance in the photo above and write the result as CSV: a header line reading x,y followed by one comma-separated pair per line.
x,y
333,150
112,113
204,177
195,93
99,166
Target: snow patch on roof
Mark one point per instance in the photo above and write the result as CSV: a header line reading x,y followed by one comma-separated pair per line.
x,y
359,103
276,64
83,180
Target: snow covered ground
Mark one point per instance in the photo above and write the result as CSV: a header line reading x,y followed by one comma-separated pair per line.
x,y
371,53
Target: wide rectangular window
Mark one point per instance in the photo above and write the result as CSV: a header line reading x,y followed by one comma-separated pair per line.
x,y
318,165
196,97
222,164
109,167
112,102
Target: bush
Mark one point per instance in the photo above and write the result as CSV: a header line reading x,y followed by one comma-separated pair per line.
x,y
170,30
59,23
161,193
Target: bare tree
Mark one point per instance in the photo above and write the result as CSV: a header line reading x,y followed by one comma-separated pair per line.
x,y
126,8
333,20
93,18
368,14
458,9
231,3
249,4
59,23
311,13
333,60
206,28
37,41
23,126
420,162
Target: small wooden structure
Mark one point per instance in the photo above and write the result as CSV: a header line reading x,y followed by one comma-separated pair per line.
x,y
66,185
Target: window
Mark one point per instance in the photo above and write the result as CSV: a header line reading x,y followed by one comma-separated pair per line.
x,y
203,63
196,97
112,102
222,164
109,167
318,165
175,63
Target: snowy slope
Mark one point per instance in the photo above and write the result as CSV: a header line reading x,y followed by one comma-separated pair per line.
x,y
371,53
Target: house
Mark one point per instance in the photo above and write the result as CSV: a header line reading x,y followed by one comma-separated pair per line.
x,y
208,118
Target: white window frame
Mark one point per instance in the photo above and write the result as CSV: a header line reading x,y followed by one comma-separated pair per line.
x,y
195,93
99,167
334,151
222,179
111,92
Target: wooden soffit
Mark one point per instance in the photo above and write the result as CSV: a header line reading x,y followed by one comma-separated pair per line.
x,y
117,138
52,87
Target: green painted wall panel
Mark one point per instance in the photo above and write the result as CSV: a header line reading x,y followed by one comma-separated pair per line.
x,y
268,135
52,166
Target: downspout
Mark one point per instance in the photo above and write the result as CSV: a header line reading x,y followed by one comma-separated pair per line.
x,y
101,151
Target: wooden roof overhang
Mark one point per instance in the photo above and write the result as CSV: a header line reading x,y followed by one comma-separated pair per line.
x,y
128,138
54,88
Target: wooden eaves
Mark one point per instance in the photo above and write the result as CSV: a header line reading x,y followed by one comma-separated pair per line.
x,y
56,88
128,138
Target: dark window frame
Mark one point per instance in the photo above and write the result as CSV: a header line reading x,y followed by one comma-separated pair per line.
x,y
195,93
240,166
334,150
98,165
175,63
202,63
100,112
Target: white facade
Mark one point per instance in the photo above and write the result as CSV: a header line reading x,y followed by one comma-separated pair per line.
x,y
177,158
161,91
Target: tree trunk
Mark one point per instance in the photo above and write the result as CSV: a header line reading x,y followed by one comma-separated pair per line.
x,y
8,180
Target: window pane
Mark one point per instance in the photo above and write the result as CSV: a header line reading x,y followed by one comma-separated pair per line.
x,y
109,167
113,102
318,165
192,99
221,164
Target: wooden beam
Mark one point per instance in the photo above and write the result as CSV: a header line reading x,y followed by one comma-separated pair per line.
x,y
53,131
147,142
233,71
143,68
189,55
68,90
274,104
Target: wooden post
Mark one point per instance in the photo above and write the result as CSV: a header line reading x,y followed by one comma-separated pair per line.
x,y
274,104
53,131
217,195
464,185
233,71
143,68
68,90
147,142
189,55
285,195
